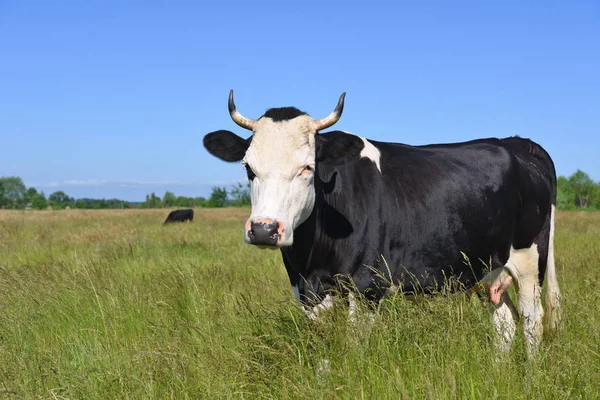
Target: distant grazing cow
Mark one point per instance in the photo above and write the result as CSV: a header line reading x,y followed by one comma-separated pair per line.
x,y
344,209
180,216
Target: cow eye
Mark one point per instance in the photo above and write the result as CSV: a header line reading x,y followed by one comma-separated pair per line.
x,y
307,169
251,174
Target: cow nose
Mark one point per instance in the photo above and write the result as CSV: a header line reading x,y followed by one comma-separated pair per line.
x,y
264,232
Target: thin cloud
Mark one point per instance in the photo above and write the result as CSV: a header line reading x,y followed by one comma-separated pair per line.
x,y
99,183
226,183
105,183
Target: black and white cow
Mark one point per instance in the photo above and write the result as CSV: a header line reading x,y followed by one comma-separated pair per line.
x,y
186,215
386,215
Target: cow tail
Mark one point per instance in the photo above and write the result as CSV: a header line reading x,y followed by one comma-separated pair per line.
x,y
552,300
553,308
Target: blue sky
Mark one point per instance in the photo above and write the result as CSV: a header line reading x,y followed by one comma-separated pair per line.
x,y
112,98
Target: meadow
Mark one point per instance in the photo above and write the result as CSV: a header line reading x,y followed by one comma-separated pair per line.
x,y
110,304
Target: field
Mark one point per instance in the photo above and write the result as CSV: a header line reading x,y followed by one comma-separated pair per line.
x,y
110,304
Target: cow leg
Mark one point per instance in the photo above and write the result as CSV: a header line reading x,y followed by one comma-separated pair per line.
x,y
545,240
504,316
313,313
360,323
323,366
355,310
360,320
522,264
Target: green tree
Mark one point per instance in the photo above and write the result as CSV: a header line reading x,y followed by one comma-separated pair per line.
x,y
169,199
59,200
183,201
584,188
152,201
83,203
30,193
199,202
218,197
565,195
38,201
240,195
12,192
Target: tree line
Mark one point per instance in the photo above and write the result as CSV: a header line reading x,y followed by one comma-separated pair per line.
x,y
236,196
577,191
14,194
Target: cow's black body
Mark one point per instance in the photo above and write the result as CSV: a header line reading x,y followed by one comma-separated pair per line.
x,y
427,207
180,216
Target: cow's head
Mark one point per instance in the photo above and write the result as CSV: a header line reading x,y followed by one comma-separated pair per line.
x,y
281,157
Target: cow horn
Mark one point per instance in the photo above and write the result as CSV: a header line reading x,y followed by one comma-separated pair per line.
x,y
237,117
332,118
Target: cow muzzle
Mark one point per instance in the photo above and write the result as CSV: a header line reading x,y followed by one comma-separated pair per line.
x,y
264,232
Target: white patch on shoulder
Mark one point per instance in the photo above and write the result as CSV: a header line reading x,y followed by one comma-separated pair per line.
x,y
369,151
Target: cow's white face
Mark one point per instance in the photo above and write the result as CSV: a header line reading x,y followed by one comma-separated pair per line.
x,y
280,163
281,158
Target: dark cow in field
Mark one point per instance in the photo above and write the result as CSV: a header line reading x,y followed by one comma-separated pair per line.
x,y
180,216
378,216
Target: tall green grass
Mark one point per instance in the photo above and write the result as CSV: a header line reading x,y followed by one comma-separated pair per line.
x,y
110,304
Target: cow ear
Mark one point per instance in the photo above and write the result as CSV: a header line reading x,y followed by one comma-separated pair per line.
x,y
338,147
226,145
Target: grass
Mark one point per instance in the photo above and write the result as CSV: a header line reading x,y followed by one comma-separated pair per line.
x,y
110,304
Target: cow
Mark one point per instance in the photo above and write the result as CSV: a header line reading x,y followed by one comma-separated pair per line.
x,y
186,215
352,215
